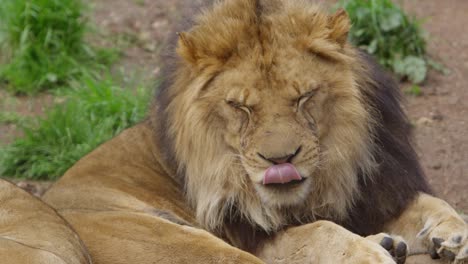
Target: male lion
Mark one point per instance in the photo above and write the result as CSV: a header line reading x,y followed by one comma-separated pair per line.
x,y
272,140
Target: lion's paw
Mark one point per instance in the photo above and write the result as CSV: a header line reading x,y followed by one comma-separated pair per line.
x,y
395,245
446,238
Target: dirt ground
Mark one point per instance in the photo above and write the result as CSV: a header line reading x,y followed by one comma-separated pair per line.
x,y
440,114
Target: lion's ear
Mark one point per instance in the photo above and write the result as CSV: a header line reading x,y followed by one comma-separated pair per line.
x,y
339,25
201,50
186,48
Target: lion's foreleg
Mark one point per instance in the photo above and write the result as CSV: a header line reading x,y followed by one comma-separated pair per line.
x,y
321,242
430,225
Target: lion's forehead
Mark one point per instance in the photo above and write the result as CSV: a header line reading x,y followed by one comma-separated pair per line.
x,y
248,84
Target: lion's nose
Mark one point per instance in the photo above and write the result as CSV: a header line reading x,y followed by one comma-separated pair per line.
x,y
282,159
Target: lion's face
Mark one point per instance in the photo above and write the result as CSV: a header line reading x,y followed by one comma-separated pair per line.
x,y
269,120
279,116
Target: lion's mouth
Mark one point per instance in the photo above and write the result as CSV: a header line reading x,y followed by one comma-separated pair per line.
x,y
287,185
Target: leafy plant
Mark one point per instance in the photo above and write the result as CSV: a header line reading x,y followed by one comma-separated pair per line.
x,y
414,90
43,44
94,111
382,29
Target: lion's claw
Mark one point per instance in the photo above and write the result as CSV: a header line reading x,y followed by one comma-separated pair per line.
x,y
440,251
453,248
437,242
433,253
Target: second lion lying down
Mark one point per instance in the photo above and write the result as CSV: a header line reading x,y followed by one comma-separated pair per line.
x,y
272,140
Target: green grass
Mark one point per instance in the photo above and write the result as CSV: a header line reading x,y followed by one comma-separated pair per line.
x,y
7,117
42,43
397,40
94,111
8,114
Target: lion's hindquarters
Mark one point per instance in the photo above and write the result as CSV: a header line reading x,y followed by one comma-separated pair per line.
x,y
32,232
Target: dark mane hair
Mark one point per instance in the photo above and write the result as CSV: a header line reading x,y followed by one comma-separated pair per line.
x,y
399,177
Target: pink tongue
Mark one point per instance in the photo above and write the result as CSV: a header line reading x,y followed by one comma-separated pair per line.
x,y
282,173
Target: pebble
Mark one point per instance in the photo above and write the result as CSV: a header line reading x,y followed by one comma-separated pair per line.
x,y
423,121
436,116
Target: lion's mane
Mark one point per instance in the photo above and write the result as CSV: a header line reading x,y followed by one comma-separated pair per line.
x,y
371,179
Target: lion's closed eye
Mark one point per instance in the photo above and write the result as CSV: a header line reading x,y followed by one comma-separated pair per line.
x,y
238,105
304,98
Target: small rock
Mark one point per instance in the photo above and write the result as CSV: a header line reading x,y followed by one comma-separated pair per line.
x,y
30,188
137,24
441,151
144,36
35,188
159,23
156,71
454,100
436,166
150,47
436,116
423,121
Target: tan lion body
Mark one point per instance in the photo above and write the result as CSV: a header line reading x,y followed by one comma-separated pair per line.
x,y
117,215
259,84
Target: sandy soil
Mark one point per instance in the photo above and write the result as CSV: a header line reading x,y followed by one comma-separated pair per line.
x,y
441,114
